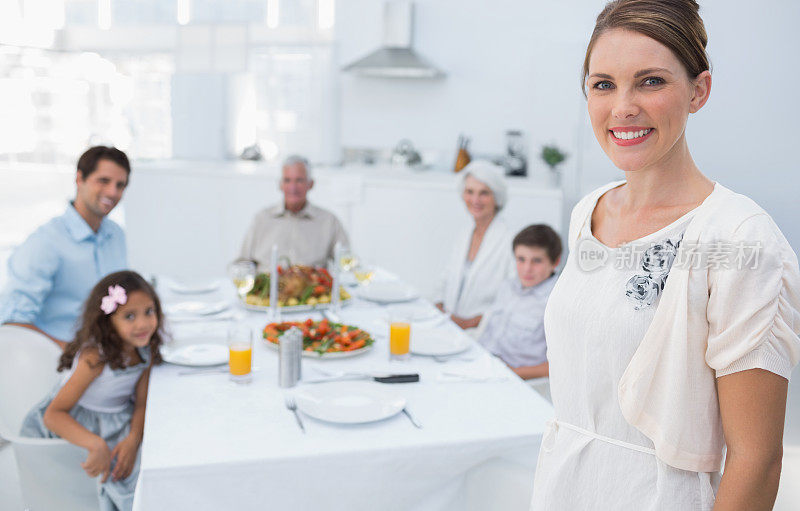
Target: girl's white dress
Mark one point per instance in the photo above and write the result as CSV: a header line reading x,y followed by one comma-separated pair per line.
x,y
105,408
591,458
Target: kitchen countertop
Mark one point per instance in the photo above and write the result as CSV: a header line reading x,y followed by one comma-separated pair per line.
x,y
371,174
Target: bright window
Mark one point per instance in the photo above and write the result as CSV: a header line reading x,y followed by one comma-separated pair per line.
x,y
57,103
292,101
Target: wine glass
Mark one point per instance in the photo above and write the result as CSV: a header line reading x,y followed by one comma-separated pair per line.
x,y
243,275
348,260
363,273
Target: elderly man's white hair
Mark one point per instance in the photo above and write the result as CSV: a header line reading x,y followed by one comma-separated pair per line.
x,y
295,159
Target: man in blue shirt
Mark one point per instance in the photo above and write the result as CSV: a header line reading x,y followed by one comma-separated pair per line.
x,y
52,272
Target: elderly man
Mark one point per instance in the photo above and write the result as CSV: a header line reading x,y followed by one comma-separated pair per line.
x,y
303,232
52,272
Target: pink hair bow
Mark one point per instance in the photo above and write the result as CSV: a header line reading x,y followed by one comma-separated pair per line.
x,y
116,296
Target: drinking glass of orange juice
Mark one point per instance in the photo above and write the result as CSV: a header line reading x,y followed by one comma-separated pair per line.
x,y
399,336
240,349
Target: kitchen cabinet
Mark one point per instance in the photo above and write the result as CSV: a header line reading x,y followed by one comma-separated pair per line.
x,y
187,219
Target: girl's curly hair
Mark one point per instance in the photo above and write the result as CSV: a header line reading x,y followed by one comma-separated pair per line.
x,y
97,331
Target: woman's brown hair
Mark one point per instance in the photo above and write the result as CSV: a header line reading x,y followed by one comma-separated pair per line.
x,y
97,331
674,23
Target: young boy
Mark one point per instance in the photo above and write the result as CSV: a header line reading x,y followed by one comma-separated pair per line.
x,y
514,328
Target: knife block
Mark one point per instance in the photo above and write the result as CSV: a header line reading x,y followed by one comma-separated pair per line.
x,y
462,160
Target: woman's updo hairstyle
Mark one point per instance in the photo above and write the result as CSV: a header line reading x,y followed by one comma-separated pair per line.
x,y
674,23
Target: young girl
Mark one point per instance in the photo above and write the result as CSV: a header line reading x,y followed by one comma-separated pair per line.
x,y
100,403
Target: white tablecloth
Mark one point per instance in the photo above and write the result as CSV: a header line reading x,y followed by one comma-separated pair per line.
x,y
211,444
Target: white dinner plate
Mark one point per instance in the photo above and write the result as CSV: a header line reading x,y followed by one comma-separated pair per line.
x,y
392,291
349,402
193,289
437,343
198,355
196,308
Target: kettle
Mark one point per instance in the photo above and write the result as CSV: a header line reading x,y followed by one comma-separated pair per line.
x,y
405,154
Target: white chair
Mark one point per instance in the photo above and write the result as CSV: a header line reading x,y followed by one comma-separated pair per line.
x,y
49,469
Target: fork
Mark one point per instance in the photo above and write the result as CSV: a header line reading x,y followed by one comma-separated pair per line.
x,y
291,405
447,358
476,379
413,419
211,370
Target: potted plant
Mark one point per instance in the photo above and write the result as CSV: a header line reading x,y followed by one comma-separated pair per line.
x,y
552,156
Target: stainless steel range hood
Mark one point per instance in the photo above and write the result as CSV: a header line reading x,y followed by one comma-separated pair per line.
x,y
396,58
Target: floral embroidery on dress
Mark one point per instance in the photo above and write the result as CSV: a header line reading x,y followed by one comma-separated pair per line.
x,y
643,289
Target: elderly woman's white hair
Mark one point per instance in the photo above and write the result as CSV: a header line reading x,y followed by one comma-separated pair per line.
x,y
489,174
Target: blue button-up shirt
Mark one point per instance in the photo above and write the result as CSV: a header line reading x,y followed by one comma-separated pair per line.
x,y
52,273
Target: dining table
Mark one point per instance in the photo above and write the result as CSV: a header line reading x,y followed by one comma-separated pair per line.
x,y
211,443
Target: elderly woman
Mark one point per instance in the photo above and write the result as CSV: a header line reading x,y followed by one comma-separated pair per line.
x,y
481,259
681,345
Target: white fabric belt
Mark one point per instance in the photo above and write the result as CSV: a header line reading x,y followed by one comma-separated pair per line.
x,y
559,424
114,408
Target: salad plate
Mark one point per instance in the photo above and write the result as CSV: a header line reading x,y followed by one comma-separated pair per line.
x,y
326,356
322,339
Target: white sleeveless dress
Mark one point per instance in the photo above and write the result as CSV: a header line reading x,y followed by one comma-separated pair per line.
x,y
591,458
105,409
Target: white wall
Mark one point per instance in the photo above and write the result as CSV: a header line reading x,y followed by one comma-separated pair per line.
x,y
499,60
516,64
746,136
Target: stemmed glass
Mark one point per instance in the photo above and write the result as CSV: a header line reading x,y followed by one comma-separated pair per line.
x,y
348,260
243,275
364,273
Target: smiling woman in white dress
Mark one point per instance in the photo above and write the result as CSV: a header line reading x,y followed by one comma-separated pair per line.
x,y
672,330
481,258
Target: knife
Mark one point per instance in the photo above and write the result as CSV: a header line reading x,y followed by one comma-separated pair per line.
x,y
382,378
